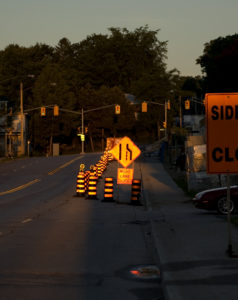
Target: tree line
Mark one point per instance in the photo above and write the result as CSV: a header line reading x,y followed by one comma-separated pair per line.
x,y
99,71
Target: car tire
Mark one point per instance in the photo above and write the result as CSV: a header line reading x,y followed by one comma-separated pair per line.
x,y
222,206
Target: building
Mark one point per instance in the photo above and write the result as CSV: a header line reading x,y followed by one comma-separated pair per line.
x,y
10,132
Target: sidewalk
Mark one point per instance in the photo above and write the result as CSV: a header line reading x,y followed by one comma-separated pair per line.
x,y
191,244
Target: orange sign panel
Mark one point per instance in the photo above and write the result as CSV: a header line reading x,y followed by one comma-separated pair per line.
x,y
124,176
222,129
125,152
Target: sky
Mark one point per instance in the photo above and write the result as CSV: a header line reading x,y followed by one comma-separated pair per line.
x,y
185,24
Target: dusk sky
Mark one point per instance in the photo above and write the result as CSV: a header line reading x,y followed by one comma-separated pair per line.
x,y
186,24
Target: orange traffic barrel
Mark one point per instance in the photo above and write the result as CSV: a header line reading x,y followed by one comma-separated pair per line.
x,y
135,191
92,186
80,186
100,170
108,189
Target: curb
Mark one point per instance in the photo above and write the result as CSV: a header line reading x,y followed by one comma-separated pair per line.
x,y
155,241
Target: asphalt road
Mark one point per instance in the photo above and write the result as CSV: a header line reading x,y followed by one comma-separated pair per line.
x,y
54,245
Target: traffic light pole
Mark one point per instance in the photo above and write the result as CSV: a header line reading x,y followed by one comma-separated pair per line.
x,y
165,114
180,112
82,139
74,112
22,120
165,118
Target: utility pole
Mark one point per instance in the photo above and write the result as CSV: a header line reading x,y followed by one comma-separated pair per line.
x,y
82,138
180,112
22,121
165,118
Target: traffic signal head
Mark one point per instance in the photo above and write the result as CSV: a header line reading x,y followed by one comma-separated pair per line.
x,y
168,105
187,104
117,109
43,111
56,110
164,124
144,107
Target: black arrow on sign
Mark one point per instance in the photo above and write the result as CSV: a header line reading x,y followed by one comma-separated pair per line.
x,y
129,150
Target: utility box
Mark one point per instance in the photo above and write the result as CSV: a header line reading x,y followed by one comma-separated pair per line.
x,y
55,149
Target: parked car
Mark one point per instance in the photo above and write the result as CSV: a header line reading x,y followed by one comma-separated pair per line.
x,y
216,199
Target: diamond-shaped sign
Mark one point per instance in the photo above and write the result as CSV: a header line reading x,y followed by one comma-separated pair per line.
x,y
125,152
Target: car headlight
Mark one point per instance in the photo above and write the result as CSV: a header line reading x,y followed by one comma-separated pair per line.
x,y
198,196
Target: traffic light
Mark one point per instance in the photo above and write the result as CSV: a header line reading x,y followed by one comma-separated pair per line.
x,y
168,105
43,111
164,124
144,107
117,109
86,129
187,104
56,110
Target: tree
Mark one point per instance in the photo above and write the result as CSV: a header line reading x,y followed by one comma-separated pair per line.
x,y
16,64
51,88
94,72
120,58
219,63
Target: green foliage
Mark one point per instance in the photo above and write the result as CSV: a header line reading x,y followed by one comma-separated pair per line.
x,y
93,73
219,63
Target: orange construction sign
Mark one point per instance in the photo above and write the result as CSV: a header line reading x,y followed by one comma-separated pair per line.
x,y
222,128
124,176
125,152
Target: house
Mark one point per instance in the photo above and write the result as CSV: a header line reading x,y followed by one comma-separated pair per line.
x,y
10,132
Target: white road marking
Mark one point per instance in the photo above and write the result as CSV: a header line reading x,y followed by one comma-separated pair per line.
x,y
26,220
63,166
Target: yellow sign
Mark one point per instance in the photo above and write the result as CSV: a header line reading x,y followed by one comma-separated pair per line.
x,y
125,152
222,128
124,176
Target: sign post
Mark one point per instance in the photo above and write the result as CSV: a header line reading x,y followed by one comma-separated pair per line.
x,y
222,147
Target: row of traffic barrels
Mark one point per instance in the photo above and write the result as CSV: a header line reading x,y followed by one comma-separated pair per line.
x,y
135,190
87,180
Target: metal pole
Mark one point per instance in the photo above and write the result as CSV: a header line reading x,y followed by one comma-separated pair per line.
x,y
180,112
165,118
82,141
229,250
22,120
